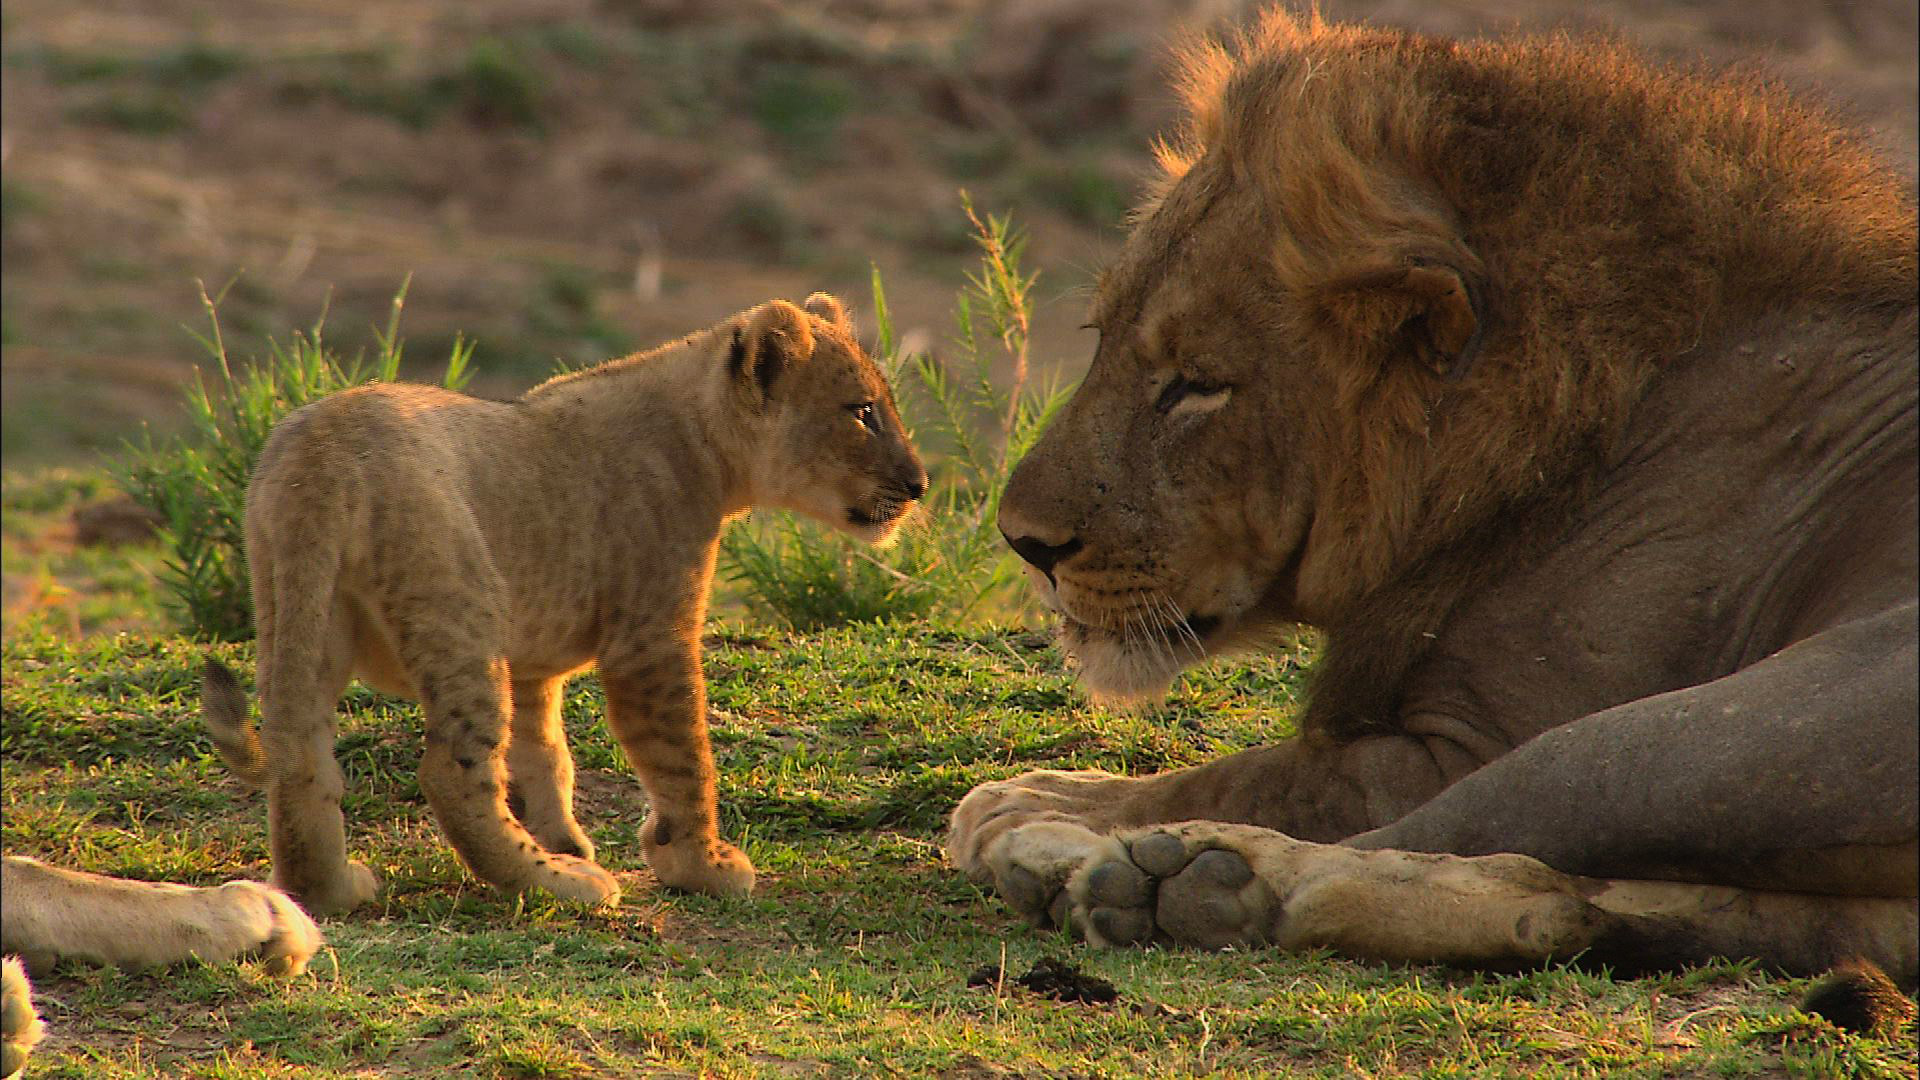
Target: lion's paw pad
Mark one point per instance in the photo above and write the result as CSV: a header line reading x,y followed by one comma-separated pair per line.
x,y
1160,890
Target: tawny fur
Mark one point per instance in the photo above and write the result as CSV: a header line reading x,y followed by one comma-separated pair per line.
x,y
472,555
20,1026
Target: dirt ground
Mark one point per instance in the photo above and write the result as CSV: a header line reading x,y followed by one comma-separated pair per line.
x,y
572,179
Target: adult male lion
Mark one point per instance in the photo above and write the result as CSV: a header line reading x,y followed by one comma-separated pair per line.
x,y
1575,400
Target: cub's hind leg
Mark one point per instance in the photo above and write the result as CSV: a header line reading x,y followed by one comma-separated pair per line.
x,y
300,680
541,768
463,771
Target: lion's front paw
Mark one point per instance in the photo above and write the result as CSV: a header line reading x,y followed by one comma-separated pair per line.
x,y
1212,885
993,810
1172,883
1031,865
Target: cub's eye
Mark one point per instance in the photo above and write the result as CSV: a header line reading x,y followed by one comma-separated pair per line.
x,y
863,412
1199,392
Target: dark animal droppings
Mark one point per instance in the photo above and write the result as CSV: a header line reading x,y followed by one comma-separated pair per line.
x,y
1052,978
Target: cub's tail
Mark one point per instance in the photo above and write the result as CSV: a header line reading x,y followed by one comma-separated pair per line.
x,y
223,706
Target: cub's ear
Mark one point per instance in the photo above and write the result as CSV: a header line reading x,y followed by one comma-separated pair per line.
x,y
766,342
829,310
1420,307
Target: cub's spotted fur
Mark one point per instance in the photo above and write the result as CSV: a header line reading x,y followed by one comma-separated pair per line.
x,y
471,555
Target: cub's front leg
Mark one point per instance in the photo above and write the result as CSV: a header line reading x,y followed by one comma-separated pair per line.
x,y
657,708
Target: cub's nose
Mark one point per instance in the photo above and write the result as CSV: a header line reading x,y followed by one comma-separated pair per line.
x,y
914,484
1042,555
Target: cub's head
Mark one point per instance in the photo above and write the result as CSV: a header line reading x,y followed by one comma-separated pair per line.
x,y
832,446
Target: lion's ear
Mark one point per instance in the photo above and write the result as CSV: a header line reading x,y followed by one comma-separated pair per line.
x,y
828,309
767,341
1419,307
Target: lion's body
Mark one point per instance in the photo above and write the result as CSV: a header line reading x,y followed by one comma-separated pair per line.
x,y
473,554
1576,401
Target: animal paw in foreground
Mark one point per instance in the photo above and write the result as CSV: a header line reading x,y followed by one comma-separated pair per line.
x,y
52,913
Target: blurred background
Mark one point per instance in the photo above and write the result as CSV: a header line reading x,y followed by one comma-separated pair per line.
x,y
571,179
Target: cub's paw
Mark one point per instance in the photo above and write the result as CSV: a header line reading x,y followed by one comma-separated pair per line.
x,y
572,878
1176,883
20,1026
714,867
352,885
993,810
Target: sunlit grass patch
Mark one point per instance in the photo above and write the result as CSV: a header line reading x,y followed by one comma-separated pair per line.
x,y
840,754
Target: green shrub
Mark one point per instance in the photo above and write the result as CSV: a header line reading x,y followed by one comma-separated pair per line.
x,y
802,107
157,113
949,561
495,86
197,482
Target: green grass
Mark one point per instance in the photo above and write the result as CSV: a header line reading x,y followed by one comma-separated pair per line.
x,y
841,753
81,591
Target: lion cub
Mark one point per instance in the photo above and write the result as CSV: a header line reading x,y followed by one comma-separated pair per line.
x,y
473,554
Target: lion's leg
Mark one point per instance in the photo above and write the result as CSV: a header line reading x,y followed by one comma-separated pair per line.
x,y
463,774
52,913
541,768
1800,772
1739,778
1211,885
657,708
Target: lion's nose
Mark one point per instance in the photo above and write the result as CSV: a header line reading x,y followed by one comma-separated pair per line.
x,y
915,484
1042,555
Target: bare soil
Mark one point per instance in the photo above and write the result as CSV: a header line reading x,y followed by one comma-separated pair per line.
x,y
571,179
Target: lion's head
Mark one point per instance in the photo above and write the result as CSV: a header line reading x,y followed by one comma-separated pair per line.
x,y
1391,288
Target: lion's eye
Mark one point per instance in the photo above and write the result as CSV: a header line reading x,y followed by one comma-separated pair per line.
x,y
1198,392
863,412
